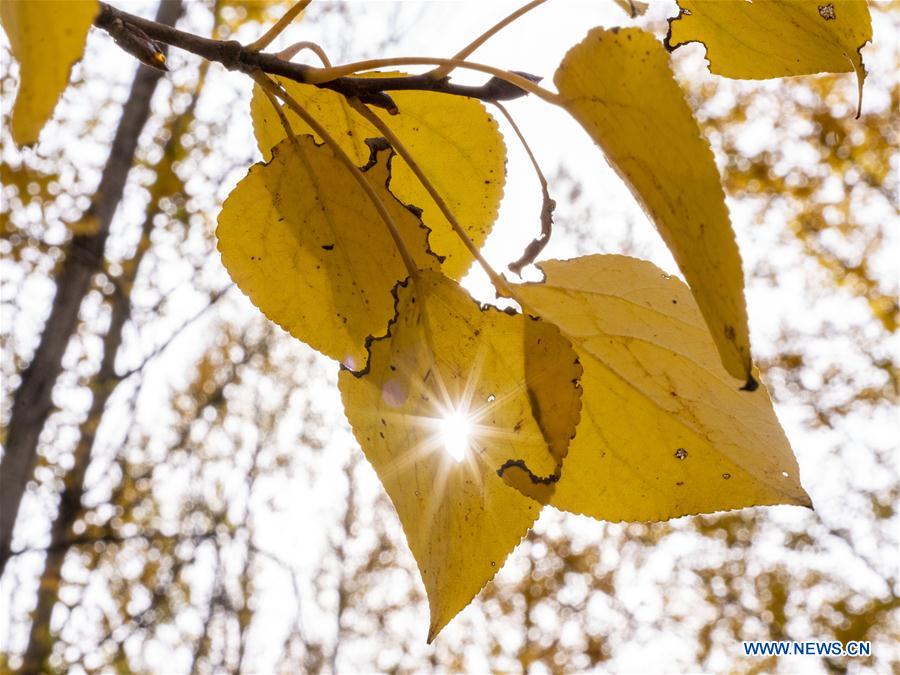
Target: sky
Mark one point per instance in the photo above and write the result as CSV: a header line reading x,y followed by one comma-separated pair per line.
x,y
535,44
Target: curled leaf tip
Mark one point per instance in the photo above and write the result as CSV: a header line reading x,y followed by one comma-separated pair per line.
x,y
517,475
751,384
860,70
537,245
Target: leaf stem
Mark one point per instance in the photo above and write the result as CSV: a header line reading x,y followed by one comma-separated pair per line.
x,y
443,71
502,286
269,36
547,207
324,75
268,85
290,52
288,129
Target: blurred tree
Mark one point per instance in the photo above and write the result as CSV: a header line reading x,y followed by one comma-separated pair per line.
x,y
207,510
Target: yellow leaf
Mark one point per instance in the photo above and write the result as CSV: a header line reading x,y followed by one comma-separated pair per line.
x,y
450,366
300,237
619,86
663,432
775,38
46,38
556,416
453,139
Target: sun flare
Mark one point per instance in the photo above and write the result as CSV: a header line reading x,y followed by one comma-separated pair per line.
x,y
455,429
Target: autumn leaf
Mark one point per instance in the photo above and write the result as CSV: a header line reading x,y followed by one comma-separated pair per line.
x,y
300,237
448,364
453,138
46,38
556,416
663,431
619,86
776,38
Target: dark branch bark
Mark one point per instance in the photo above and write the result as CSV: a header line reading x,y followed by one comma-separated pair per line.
x,y
33,399
234,56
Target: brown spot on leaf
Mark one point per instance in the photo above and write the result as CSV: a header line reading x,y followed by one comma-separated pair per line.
x,y
827,12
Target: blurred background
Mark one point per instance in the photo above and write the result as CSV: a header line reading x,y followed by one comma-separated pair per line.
x,y
199,503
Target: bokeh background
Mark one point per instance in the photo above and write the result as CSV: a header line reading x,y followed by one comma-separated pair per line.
x,y
200,504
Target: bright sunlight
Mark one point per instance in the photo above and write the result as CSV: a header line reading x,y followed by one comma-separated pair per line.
x,y
455,430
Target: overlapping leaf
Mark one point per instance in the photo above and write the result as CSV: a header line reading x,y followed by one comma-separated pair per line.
x,y
663,431
453,139
556,415
618,85
46,38
300,237
444,353
776,38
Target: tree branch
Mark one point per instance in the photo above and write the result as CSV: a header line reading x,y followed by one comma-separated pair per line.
x,y
159,349
235,56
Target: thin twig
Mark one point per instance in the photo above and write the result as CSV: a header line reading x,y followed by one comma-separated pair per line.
x,y
269,36
218,295
465,52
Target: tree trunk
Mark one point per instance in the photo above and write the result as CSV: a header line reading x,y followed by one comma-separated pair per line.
x,y
104,384
33,403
